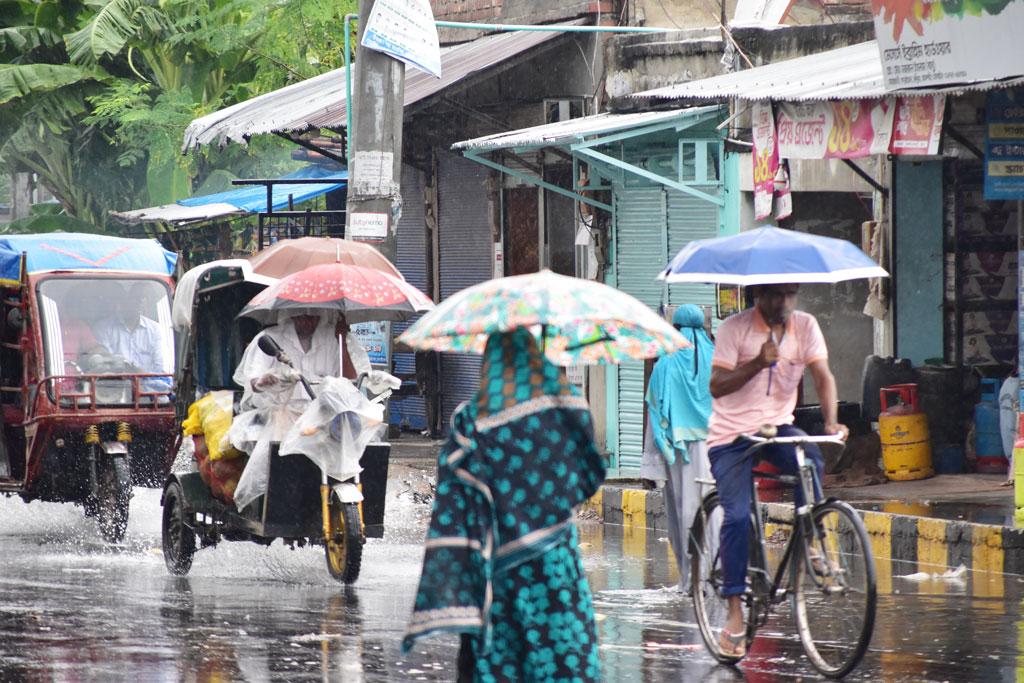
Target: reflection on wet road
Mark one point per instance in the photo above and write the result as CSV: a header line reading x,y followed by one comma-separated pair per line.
x,y
72,608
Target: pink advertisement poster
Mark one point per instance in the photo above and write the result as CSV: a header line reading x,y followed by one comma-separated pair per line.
x,y
766,158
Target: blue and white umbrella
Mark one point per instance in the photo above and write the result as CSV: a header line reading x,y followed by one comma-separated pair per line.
x,y
768,255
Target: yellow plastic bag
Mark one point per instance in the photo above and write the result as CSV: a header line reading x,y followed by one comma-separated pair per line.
x,y
211,416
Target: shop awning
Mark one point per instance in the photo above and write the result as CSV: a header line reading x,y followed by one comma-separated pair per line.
x,y
319,102
853,72
583,137
178,214
578,130
242,200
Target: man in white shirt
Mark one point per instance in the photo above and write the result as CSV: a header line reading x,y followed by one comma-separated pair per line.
x,y
311,342
133,336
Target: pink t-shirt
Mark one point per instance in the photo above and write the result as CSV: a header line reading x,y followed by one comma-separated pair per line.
x,y
739,340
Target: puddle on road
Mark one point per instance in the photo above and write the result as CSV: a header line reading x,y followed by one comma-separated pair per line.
x,y
73,608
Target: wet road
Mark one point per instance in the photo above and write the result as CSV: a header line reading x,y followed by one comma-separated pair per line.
x,y
73,609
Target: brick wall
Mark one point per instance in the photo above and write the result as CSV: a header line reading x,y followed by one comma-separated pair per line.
x,y
467,10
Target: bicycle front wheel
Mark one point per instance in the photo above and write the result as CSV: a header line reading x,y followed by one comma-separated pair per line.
x,y
835,591
706,579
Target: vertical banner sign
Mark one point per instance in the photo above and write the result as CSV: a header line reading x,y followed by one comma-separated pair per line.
x,y
405,30
1004,145
932,42
766,158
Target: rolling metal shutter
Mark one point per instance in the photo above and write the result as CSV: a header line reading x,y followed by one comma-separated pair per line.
x,y
411,260
466,254
651,225
691,218
640,248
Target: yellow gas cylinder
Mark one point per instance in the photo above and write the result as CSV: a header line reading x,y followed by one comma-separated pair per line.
x,y
903,429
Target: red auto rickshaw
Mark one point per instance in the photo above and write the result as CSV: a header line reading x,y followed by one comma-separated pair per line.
x,y
86,369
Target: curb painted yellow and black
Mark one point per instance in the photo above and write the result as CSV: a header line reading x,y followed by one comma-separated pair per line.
x,y
903,538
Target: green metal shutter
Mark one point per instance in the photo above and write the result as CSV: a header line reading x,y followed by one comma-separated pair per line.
x,y
691,218
640,253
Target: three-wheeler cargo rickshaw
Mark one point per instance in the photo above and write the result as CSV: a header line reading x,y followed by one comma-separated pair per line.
x,y
302,505
86,363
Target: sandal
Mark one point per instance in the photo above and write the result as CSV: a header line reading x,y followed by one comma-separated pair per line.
x,y
732,645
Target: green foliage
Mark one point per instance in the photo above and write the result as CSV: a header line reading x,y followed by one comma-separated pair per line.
x,y
106,33
48,223
95,95
22,80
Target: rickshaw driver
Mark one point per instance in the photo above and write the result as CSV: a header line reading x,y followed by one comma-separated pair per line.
x,y
758,364
311,342
131,335
273,400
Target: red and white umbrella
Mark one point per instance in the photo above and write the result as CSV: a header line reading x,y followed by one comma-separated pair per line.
x,y
359,293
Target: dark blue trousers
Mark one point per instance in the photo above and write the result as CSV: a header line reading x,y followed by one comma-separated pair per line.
x,y
733,472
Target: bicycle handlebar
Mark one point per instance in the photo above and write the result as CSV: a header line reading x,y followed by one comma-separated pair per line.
x,y
766,441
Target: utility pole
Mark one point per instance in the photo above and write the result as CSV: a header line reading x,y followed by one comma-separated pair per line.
x,y
375,144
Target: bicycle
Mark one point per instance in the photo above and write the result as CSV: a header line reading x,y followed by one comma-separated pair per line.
x,y
827,569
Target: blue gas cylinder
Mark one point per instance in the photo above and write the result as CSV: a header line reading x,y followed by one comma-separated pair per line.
x,y
988,443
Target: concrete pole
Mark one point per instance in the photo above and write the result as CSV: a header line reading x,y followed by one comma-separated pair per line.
x,y
375,158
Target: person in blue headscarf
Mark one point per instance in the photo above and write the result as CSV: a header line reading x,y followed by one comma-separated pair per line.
x,y
679,405
501,565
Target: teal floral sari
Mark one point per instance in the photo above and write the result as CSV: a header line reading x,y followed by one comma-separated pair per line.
x,y
501,563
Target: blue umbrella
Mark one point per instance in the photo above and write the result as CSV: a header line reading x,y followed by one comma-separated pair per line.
x,y
768,255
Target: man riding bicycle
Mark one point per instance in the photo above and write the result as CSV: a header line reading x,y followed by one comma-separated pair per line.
x,y
758,364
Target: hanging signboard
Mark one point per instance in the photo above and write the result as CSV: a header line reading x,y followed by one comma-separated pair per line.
x,y
936,43
851,129
845,129
766,158
918,125
1004,145
405,30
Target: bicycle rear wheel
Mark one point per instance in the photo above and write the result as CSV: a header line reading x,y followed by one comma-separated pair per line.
x,y
835,594
710,608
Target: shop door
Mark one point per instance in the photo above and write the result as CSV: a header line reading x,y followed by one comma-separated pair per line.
x,y
918,259
522,253
466,254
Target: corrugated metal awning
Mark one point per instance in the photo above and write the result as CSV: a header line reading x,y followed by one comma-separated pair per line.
x,y
319,102
576,130
178,214
853,72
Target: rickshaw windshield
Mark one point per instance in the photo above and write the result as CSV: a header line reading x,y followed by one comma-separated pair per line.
x,y
105,326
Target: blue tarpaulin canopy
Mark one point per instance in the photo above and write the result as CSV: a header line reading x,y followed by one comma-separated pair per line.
x,y
79,251
253,198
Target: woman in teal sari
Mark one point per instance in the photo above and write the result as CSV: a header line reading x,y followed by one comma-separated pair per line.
x,y
678,406
501,565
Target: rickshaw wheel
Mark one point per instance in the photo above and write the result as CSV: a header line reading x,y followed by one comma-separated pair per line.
x,y
114,495
344,552
179,540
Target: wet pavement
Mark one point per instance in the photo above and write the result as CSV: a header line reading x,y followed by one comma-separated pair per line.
x,y
74,609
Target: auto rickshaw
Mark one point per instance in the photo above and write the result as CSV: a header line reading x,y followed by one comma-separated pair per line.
x,y
300,506
86,362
